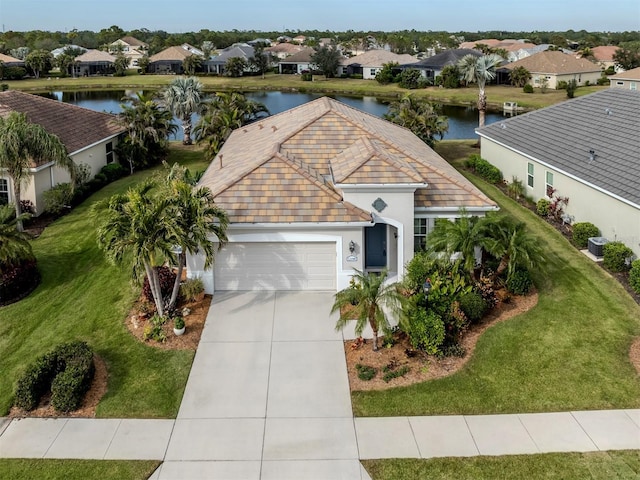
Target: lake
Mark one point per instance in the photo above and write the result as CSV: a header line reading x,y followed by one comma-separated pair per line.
x,y
462,120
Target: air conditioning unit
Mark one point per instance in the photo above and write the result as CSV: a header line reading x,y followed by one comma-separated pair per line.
x,y
596,244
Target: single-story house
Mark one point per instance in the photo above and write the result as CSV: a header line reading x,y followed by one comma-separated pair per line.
x,y
371,62
555,66
323,188
169,60
587,149
90,138
604,56
431,67
283,50
218,63
60,50
628,80
298,62
94,62
9,61
131,47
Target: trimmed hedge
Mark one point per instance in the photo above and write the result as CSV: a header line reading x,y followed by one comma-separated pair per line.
x,y
473,306
112,172
582,231
615,255
67,371
484,169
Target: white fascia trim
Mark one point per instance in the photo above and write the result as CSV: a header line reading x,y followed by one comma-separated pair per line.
x,y
574,177
381,186
270,226
51,164
423,210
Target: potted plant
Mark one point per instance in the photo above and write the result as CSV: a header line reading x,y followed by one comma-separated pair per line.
x,y
178,325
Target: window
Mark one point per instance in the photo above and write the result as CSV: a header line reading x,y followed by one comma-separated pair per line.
x,y
530,174
420,231
373,72
621,84
549,184
632,86
4,191
110,152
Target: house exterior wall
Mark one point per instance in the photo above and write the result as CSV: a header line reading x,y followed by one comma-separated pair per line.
x,y
626,84
554,79
616,219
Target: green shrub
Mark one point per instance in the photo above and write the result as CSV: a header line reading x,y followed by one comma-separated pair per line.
x,y
426,330
634,276
519,283
516,188
582,231
178,323
17,281
616,256
154,330
610,70
58,199
528,88
113,171
473,306
67,371
14,73
571,88
365,372
191,288
484,169
410,78
390,374
562,85
306,77
543,207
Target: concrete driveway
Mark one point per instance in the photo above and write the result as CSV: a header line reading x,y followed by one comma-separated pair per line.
x,y
268,394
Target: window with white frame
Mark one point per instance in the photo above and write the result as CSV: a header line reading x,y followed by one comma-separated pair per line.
x,y
530,174
109,151
4,191
549,184
633,86
373,72
421,228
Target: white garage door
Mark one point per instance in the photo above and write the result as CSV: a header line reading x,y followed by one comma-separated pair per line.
x,y
276,266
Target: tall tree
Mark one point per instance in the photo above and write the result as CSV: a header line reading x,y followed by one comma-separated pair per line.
x,y
628,55
235,67
519,76
22,144
420,116
183,97
479,70
370,296
260,60
327,59
39,61
121,64
192,64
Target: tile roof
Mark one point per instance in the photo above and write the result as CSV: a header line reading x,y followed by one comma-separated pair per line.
x,y
132,41
607,122
284,47
604,53
633,74
303,56
76,127
93,56
554,62
377,58
442,59
6,59
175,54
298,160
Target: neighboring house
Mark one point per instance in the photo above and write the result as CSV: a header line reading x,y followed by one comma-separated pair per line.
x,y
555,66
323,188
431,67
587,148
298,62
371,62
299,39
604,56
169,60
89,137
131,47
9,61
284,50
94,62
61,50
217,63
629,80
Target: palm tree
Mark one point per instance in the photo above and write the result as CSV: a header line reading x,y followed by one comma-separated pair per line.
x,y
196,218
420,116
14,245
21,145
479,70
137,226
519,76
183,97
369,295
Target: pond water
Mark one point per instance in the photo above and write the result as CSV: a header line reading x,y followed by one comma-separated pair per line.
x,y
462,120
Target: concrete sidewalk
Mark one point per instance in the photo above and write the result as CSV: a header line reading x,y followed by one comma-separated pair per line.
x,y
268,398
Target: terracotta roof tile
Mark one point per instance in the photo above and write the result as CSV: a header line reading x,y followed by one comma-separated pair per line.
x,y
93,56
76,127
554,62
175,53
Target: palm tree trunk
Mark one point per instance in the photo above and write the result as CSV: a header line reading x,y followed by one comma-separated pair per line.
x,y
482,107
176,284
17,198
186,126
374,327
154,284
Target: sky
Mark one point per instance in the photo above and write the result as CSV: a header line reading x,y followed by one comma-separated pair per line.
x,y
334,15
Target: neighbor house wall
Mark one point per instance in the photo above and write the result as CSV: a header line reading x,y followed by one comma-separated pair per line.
x,y
616,219
554,79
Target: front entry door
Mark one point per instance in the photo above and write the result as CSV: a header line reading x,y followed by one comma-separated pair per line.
x,y
375,246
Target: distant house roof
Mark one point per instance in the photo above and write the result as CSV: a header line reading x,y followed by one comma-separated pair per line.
x,y
76,127
313,151
303,56
633,74
62,49
237,50
441,60
554,62
171,54
133,42
604,53
563,135
95,56
490,42
8,60
377,58
288,48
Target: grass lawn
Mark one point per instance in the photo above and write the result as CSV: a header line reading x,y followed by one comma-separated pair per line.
x,y
82,297
496,95
622,465
570,352
23,469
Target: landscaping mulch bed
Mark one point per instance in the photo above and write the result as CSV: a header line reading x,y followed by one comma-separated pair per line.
x,y
423,367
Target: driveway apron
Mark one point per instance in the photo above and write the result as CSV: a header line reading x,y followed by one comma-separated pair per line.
x,y
268,392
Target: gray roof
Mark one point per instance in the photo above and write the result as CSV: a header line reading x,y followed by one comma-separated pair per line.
x,y
562,136
441,60
237,50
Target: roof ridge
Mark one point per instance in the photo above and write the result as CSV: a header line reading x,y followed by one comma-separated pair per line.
x,y
403,167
